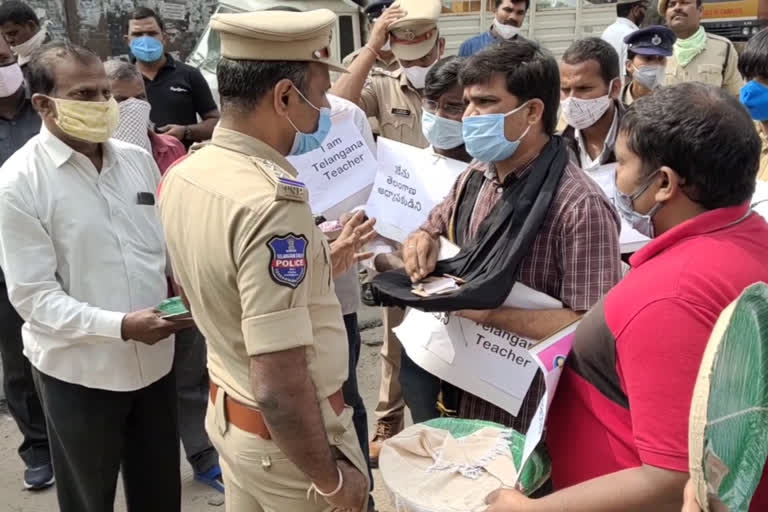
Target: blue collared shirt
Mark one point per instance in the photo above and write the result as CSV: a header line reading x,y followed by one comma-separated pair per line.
x,y
477,43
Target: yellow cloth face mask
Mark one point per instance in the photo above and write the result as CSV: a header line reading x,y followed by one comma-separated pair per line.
x,y
91,121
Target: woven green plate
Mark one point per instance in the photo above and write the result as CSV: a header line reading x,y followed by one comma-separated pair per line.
x,y
535,473
728,445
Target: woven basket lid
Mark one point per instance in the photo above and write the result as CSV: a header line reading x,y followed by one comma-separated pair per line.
x,y
728,427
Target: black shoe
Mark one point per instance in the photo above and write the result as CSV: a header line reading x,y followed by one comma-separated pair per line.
x,y
41,477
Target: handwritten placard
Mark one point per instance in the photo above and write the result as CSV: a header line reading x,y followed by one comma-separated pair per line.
x,y
341,167
410,182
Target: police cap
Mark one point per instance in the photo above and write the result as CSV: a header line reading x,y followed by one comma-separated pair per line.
x,y
653,40
277,36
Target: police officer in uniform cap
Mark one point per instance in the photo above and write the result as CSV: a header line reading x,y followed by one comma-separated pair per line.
x,y
394,97
386,59
698,56
258,275
647,53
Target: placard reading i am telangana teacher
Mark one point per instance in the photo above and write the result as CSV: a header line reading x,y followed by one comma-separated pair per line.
x,y
342,166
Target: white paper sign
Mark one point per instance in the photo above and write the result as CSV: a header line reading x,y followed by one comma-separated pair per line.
x,y
340,168
550,357
630,240
410,181
760,199
491,363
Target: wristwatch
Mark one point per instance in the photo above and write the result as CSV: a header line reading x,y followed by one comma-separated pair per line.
x,y
188,133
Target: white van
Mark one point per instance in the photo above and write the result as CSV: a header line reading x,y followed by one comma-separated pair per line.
x,y
555,24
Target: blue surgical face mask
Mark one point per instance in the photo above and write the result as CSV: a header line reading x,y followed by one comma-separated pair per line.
x,y
643,223
442,133
485,140
306,142
754,96
147,49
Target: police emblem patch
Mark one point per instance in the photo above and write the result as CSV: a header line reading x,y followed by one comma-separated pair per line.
x,y
288,264
656,40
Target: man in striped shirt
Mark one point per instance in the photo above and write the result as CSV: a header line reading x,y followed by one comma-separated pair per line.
x,y
575,255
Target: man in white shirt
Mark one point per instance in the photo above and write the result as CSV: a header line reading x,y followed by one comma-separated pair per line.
x,y
629,15
590,88
84,257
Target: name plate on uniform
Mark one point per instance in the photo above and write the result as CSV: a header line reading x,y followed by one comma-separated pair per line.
x,y
410,181
341,167
488,362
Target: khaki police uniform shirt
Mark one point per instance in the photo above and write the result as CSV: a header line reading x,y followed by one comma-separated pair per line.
x,y
255,268
390,98
715,65
763,172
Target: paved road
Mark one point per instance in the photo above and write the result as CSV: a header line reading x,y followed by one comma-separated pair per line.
x,y
196,497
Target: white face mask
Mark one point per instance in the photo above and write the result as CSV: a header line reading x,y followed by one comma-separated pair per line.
x,y
650,76
11,79
25,50
417,75
582,113
134,123
505,31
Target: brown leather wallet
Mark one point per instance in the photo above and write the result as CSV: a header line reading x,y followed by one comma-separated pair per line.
x,y
251,420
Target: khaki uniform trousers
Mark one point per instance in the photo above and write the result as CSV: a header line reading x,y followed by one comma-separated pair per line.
x,y
258,477
391,406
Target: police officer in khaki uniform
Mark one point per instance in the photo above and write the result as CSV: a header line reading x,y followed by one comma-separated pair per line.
x,y
258,275
394,99
385,60
647,52
698,56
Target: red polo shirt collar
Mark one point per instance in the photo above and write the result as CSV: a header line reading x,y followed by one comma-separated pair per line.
x,y
702,224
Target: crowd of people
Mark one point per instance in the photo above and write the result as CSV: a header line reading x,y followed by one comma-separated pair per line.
x,y
123,183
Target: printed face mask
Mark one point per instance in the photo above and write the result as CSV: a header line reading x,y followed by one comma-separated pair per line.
x,y
485,139
134,123
582,113
90,121
442,133
306,142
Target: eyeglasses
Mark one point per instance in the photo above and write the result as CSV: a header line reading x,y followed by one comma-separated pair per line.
x,y
453,109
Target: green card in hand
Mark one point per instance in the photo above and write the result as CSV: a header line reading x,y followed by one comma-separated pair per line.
x,y
174,309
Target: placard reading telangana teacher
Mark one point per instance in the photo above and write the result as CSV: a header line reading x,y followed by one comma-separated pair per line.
x,y
341,167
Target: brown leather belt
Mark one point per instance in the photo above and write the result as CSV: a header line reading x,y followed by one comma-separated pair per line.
x,y
252,421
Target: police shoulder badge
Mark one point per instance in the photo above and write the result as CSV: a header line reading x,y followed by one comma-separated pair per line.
x,y
288,264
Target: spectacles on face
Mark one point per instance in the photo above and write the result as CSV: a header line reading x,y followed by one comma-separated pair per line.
x,y
452,109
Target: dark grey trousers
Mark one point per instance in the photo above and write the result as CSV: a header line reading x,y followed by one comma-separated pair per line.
x,y
189,362
23,402
95,433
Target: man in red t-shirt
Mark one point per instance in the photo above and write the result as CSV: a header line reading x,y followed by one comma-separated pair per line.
x,y
618,428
